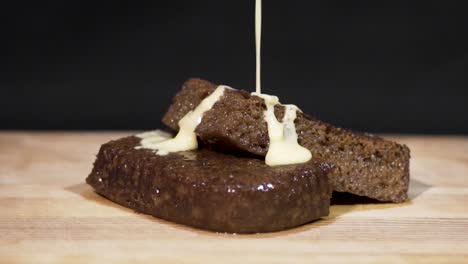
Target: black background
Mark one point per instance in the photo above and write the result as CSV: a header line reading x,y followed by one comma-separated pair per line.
x,y
380,66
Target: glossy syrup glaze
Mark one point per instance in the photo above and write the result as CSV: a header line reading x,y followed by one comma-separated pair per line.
x,y
211,190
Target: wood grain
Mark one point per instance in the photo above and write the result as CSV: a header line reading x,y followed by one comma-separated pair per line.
x,y
48,214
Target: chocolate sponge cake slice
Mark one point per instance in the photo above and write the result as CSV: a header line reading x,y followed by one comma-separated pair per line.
x,y
210,190
365,165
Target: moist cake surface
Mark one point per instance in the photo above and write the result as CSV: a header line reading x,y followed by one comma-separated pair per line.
x,y
211,190
365,164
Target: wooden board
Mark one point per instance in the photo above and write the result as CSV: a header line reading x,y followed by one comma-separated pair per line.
x,y
48,214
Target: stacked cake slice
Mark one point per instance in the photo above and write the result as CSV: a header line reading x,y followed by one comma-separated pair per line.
x,y
364,164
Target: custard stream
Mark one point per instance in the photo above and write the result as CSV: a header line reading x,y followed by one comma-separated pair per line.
x,y
284,147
